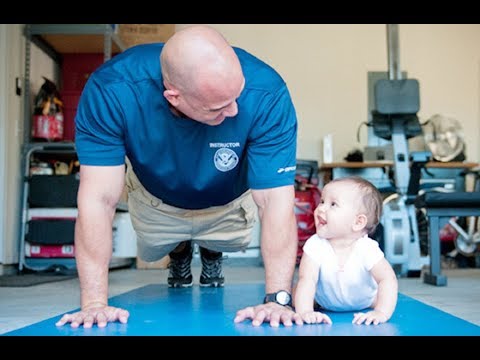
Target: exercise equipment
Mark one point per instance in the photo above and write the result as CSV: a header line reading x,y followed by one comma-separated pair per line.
x,y
440,209
394,118
397,102
447,208
467,242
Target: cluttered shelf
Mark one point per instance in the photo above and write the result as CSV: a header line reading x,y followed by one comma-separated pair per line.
x,y
95,38
56,39
375,168
374,164
77,44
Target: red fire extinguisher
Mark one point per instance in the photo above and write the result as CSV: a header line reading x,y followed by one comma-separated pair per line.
x,y
47,121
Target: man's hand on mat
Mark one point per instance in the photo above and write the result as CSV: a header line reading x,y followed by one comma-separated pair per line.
x,y
269,312
99,314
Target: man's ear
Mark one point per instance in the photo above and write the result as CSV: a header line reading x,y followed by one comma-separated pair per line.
x,y
360,222
172,96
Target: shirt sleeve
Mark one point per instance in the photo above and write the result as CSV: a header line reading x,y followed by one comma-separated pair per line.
x,y
313,248
272,148
372,253
99,123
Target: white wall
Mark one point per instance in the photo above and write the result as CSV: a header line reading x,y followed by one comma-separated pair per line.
x,y
11,137
3,133
12,131
326,65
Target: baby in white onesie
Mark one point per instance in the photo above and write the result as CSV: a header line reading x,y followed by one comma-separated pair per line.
x,y
342,269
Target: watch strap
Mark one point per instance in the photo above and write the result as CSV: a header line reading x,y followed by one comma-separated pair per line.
x,y
272,297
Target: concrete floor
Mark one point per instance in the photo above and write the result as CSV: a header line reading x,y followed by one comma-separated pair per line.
x,y
21,307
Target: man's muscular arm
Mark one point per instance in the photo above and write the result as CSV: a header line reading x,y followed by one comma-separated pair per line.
x,y
99,192
279,236
279,241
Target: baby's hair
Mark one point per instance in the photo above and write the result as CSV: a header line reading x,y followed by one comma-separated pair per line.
x,y
372,200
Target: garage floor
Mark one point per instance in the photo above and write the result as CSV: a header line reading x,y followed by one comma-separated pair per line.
x,y
422,310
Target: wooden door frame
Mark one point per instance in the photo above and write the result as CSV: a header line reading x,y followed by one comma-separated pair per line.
x,y
3,135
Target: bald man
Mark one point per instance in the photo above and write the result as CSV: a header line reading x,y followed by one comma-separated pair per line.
x,y
206,134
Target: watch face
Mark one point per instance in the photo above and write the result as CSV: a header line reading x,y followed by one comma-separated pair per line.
x,y
283,297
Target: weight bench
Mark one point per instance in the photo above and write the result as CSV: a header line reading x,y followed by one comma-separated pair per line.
x,y
440,207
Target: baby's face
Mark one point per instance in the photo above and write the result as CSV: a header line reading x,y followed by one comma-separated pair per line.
x,y
337,211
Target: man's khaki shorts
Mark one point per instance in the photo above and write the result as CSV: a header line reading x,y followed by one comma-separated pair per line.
x,y
161,227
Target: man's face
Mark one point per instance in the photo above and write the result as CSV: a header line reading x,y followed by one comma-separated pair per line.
x,y
210,108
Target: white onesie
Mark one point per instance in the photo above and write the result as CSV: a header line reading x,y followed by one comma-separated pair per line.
x,y
352,287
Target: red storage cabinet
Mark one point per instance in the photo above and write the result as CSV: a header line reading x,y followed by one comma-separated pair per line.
x,y
76,69
70,100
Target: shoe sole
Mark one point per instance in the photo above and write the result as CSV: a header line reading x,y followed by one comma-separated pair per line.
x,y
180,285
213,284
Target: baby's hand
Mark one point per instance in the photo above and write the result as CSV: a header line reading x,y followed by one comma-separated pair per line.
x,y
315,317
376,317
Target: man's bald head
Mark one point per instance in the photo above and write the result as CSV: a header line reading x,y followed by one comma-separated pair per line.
x,y
198,59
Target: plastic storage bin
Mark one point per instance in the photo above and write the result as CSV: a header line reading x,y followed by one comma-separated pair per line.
x,y
53,190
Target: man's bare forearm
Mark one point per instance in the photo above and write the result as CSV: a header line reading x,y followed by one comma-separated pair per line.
x,y
98,195
279,239
279,249
93,247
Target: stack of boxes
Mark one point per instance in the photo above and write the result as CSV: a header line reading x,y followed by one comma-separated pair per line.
x,y
135,34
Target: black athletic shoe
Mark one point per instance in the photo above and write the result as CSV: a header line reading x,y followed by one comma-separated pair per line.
x,y
180,273
212,275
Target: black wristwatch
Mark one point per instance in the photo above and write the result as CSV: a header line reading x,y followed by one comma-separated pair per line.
x,y
281,297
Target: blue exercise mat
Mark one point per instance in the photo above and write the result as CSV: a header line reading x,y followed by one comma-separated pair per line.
x,y
156,310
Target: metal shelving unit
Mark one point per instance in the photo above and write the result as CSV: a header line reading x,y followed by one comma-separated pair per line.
x,y
55,40
48,149
58,39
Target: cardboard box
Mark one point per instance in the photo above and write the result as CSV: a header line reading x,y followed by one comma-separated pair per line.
x,y
135,34
159,264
